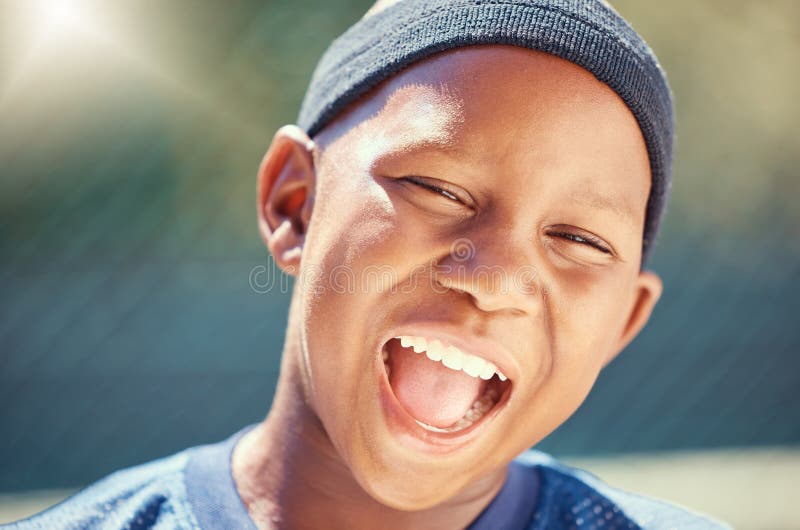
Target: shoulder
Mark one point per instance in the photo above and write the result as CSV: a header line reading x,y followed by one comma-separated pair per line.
x,y
150,495
572,497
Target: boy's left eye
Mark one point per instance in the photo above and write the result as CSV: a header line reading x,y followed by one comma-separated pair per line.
x,y
583,239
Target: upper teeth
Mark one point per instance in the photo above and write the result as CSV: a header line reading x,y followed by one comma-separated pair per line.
x,y
452,357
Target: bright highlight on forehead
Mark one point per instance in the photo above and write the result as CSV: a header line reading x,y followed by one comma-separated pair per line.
x,y
414,116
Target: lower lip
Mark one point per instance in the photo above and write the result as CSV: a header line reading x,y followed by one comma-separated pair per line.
x,y
417,437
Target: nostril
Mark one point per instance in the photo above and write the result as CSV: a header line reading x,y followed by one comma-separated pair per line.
x,y
447,284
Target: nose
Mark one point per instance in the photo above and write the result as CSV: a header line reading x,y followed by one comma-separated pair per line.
x,y
495,272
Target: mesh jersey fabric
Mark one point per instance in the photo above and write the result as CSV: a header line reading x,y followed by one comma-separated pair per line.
x,y
194,489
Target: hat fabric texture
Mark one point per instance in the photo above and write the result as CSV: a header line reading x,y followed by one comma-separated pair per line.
x,y
589,33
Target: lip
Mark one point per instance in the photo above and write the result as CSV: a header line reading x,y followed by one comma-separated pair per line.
x,y
405,427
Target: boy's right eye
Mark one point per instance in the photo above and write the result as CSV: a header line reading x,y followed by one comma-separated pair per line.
x,y
441,188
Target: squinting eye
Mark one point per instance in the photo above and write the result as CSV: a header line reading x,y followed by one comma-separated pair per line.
x,y
434,188
584,240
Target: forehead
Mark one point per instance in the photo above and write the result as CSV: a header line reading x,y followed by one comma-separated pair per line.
x,y
490,107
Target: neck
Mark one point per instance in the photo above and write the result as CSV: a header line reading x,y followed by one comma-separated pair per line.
x,y
290,475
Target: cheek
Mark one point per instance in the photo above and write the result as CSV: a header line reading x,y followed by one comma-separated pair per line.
x,y
588,316
352,216
347,251
583,315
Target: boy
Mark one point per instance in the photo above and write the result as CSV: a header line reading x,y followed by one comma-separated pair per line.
x,y
467,205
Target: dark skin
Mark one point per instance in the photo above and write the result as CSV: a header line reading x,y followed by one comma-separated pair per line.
x,y
545,171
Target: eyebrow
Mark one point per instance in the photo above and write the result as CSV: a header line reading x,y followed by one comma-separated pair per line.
x,y
411,146
440,144
598,201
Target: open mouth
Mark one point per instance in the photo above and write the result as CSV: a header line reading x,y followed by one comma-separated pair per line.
x,y
443,388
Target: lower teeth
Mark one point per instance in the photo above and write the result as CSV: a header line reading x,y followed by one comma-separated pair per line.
x,y
480,407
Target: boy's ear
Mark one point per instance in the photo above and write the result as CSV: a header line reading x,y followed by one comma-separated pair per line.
x,y
646,293
286,184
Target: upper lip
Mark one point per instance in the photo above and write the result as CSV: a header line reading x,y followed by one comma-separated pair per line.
x,y
483,347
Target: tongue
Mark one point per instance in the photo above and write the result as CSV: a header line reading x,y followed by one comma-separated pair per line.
x,y
428,390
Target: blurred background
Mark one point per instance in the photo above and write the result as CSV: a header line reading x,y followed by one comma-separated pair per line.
x,y
130,135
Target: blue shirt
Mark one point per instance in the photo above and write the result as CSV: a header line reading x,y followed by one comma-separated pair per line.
x,y
195,489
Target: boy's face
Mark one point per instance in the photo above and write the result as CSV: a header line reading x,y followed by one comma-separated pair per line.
x,y
530,257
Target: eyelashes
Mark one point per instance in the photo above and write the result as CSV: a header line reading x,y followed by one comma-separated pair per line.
x,y
584,239
435,188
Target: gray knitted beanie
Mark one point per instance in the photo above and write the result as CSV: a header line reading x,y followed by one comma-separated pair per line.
x,y
588,33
